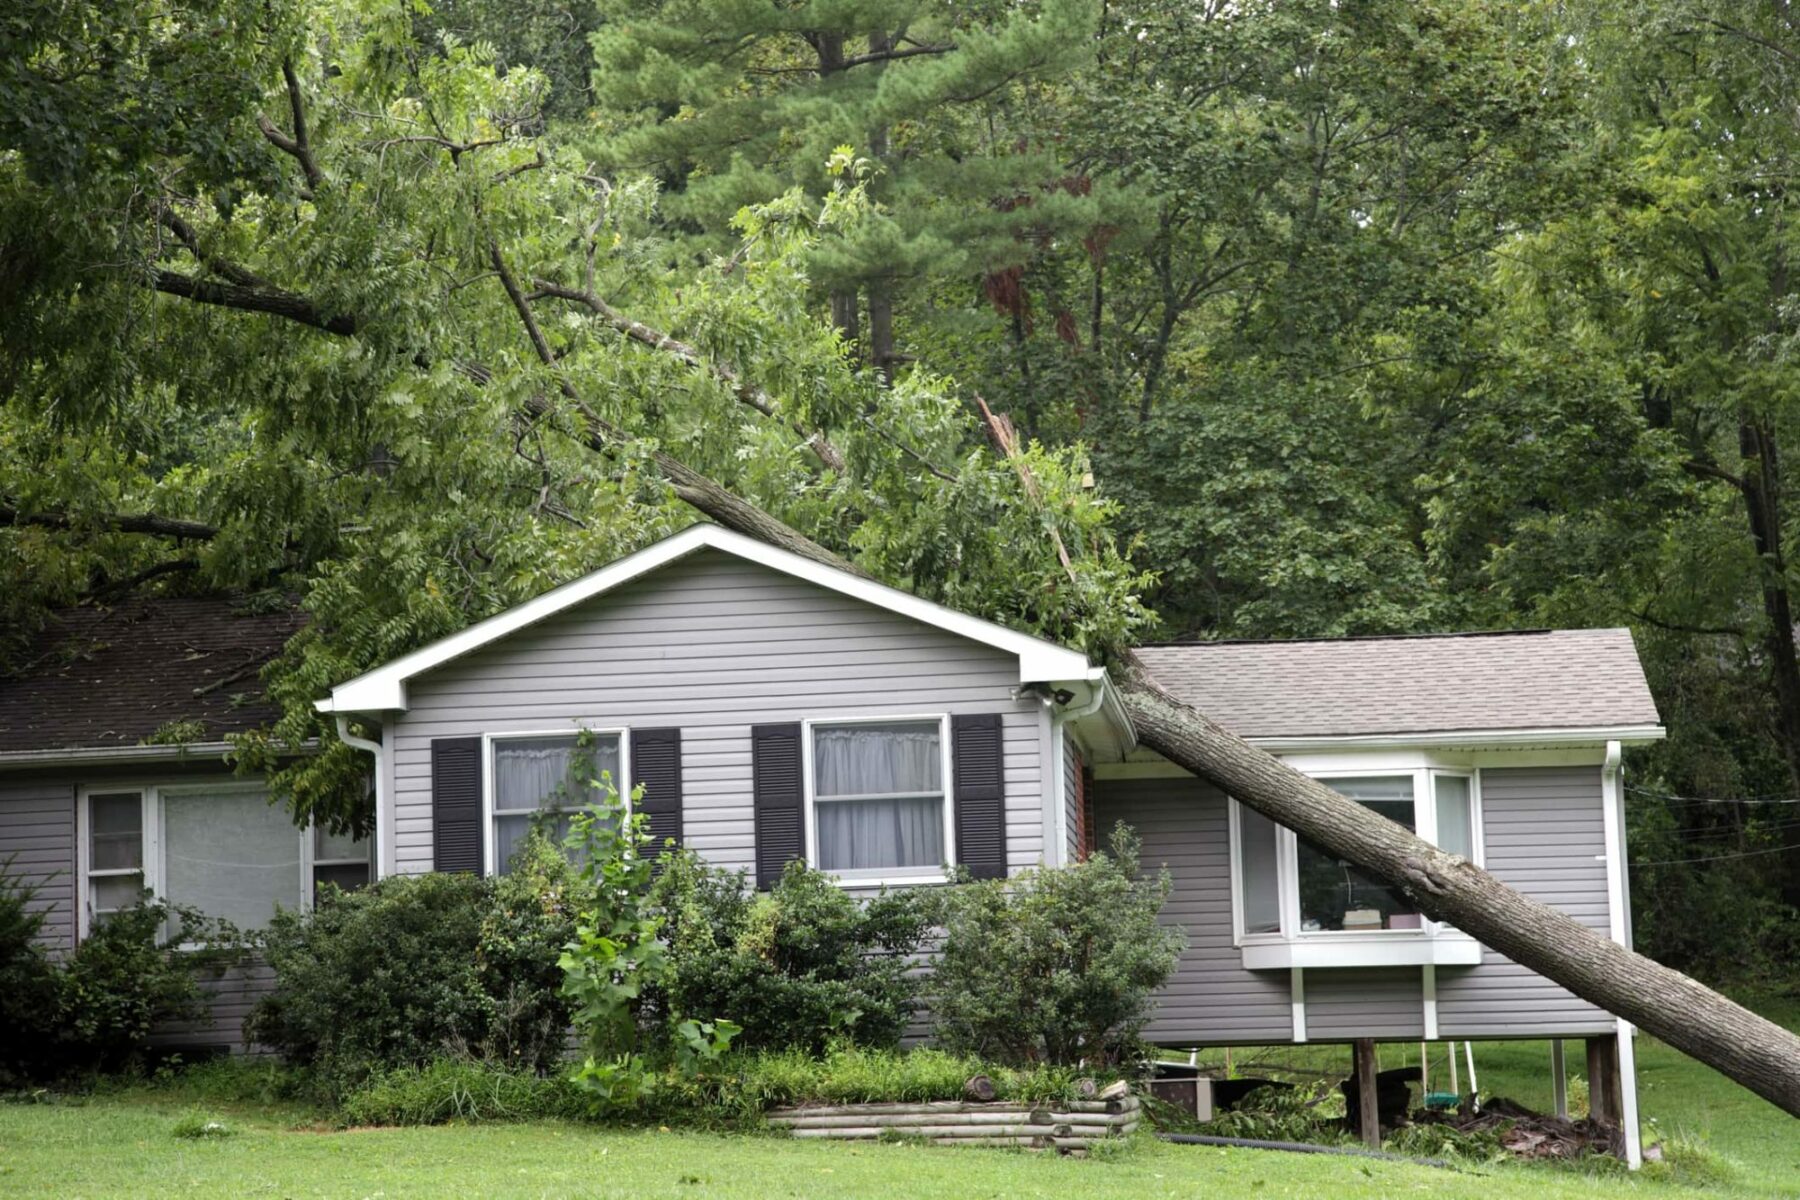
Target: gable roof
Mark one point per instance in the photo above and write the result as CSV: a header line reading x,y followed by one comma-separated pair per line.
x,y
112,677
384,688
1555,680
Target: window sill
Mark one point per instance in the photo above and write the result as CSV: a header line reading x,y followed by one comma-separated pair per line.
x,y
1382,949
857,882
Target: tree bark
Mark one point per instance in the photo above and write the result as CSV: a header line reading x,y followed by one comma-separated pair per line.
x,y
148,523
1688,1015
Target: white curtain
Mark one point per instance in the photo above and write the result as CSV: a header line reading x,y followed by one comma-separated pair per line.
x,y
899,767
232,855
1455,825
535,774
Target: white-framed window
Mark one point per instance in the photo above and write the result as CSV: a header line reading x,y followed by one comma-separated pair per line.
x,y
1284,888
545,779
878,804
220,847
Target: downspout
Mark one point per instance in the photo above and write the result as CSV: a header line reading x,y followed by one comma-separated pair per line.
x,y
1618,904
374,748
1058,722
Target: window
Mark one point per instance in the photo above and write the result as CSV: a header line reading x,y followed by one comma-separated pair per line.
x,y
879,805
115,851
1286,887
229,853
545,779
224,850
340,860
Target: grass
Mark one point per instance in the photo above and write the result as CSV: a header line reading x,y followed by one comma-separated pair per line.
x,y
131,1143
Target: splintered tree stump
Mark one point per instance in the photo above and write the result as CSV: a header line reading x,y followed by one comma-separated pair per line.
x,y
980,1089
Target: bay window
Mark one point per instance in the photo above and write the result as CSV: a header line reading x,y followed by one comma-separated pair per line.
x,y
879,807
1288,892
542,781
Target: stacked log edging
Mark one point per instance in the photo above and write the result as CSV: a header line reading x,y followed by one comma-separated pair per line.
x,y
1069,1127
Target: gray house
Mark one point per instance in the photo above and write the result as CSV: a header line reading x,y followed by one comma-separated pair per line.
x,y
775,709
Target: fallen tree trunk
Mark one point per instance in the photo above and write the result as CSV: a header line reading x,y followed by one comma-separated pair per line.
x,y
1693,1018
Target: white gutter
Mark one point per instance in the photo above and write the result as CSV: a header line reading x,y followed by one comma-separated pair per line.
x,y
1498,739
374,748
125,755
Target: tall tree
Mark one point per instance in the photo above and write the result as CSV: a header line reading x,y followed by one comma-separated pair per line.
x,y
732,103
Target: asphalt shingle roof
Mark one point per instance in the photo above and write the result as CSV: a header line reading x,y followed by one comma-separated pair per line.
x,y
114,676
1551,679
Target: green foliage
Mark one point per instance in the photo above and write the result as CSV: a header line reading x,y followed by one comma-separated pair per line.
x,y
1304,1113
461,1089
1057,965
414,967
848,1074
617,950
197,1127
799,967
93,1010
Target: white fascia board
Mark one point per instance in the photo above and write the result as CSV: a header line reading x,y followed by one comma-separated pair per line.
x,y
1479,739
384,688
101,755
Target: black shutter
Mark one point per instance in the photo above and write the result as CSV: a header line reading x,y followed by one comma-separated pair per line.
x,y
656,767
456,841
979,794
776,767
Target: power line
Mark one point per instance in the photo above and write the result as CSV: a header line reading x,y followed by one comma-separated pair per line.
x,y
1676,862
1672,798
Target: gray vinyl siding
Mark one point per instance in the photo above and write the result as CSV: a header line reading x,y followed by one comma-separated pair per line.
x,y
1352,1002
37,835
1210,999
1545,835
714,645
230,995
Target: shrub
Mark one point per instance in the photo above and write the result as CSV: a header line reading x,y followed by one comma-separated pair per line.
x,y
414,967
94,1010
855,1075
461,1089
1057,965
796,968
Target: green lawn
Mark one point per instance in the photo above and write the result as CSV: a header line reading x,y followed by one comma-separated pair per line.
x,y
124,1145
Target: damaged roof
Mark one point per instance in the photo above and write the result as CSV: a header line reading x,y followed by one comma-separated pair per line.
x,y
102,677
1538,679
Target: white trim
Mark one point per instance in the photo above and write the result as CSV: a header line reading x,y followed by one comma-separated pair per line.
x,y
1613,826
622,785
1428,998
1628,1097
1059,782
1297,1001
1549,736
384,688
84,873
872,877
1373,949
128,755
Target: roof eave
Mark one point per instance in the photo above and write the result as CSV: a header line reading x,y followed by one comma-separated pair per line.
x,y
123,755
1498,739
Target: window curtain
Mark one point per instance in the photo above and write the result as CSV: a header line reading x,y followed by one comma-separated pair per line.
x,y
900,768
232,855
539,774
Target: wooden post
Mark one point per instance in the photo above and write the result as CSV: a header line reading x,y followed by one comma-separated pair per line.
x,y
1559,1078
1366,1093
1424,1073
1603,1069
1455,1080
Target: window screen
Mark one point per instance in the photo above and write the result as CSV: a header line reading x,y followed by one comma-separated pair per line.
x,y
115,851
340,860
1455,815
1260,879
230,854
878,792
546,780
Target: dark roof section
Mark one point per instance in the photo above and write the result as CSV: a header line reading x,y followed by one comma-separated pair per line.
x,y
114,676
1548,679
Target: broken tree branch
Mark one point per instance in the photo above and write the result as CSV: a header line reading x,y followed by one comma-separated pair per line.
x,y
299,146
148,523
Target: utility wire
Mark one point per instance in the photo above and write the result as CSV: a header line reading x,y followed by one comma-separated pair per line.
x,y
1672,798
1676,862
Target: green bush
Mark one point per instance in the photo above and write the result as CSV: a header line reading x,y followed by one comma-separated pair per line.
x,y
93,1011
1057,965
462,1089
798,967
416,967
855,1075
